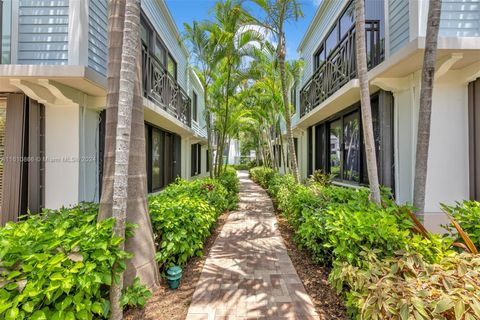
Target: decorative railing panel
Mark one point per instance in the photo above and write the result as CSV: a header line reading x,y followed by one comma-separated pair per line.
x,y
162,89
340,67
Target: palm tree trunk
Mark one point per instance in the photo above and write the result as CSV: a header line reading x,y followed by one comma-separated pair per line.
x,y
225,123
288,117
425,112
208,122
142,265
128,75
361,55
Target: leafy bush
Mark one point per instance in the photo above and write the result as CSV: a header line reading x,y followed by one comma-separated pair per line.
x,y
467,214
58,265
406,287
320,177
180,225
242,166
230,181
136,295
262,175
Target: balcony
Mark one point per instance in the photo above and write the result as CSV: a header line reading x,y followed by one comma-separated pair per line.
x,y
162,89
340,66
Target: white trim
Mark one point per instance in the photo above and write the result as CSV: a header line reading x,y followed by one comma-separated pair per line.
x,y
386,27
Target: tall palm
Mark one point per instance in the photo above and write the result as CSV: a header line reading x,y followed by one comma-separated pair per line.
x,y
130,177
425,112
236,42
206,50
279,12
361,55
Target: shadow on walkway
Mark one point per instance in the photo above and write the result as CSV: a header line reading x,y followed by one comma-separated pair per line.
x,y
248,273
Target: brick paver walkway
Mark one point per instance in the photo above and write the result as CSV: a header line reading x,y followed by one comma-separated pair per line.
x,y
248,273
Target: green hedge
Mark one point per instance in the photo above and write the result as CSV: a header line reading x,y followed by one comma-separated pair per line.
x,y
184,213
343,229
57,264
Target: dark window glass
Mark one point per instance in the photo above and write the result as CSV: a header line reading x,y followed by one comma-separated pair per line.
x,y
157,157
319,58
207,157
351,146
347,20
159,51
195,106
172,66
335,150
331,41
145,33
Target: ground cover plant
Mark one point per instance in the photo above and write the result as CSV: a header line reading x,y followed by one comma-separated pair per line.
x,y
364,243
58,264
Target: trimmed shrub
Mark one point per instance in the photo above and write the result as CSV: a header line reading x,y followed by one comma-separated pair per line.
x,y
262,175
184,213
58,265
181,225
230,181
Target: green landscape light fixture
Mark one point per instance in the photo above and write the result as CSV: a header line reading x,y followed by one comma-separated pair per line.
x,y
174,274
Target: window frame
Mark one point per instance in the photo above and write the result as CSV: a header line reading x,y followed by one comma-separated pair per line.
x,y
164,182
363,180
194,106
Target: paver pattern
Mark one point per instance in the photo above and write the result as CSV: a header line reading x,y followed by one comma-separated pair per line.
x,y
248,273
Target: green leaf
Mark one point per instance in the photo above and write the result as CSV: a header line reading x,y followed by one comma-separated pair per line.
x,y
28,306
459,309
11,314
443,305
39,315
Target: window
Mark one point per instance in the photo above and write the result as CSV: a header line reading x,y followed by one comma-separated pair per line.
x,y
196,165
207,157
339,145
319,58
172,66
159,51
155,45
157,159
335,151
374,11
162,149
194,106
474,137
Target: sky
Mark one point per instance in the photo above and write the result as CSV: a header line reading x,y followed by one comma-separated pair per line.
x,y
190,10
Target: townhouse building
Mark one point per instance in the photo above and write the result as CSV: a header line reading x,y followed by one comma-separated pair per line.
x,y
53,95
328,117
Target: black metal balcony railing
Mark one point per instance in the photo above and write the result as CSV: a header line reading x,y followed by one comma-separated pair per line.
x,y
340,66
162,89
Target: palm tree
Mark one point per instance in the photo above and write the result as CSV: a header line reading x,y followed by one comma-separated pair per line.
x,y
278,12
126,179
361,55
425,111
207,52
236,42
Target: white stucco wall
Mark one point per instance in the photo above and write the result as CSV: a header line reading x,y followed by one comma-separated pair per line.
x,y
62,153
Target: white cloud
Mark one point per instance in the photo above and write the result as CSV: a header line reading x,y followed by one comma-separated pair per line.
x,y
316,2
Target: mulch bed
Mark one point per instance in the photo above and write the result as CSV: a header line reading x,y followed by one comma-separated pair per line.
x,y
314,277
169,304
